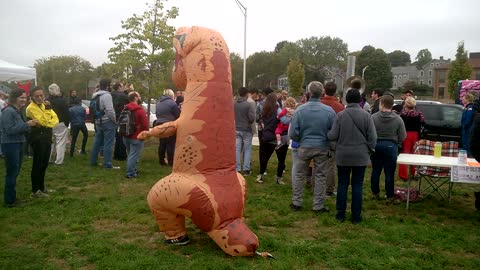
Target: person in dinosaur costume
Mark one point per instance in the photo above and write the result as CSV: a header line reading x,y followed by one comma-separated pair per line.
x,y
204,184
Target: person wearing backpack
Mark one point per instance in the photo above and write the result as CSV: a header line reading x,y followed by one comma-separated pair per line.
x,y
120,99
103,115
132,121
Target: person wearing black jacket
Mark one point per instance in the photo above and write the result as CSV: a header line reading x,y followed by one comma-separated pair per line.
x,y
120,99
60,131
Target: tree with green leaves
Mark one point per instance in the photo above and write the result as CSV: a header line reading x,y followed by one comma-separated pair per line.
x,y
379,72
145,52
70,72
399,58
460,69
236,63
423,57
260,73
318,53
296,77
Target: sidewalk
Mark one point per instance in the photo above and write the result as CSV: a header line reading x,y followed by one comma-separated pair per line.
x,y
254,141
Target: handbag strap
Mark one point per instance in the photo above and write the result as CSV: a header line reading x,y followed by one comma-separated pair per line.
x,y
364,136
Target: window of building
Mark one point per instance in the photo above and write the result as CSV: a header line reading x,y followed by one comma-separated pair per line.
x,y
421,73
477,75
430,73
441,76
394,84
429,82
431,64
421,82
404,76
437,64
395,77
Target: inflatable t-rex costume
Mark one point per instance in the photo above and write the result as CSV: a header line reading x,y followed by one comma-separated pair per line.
x,y
204,184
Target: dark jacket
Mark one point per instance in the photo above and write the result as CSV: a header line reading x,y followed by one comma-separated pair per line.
x,y
119,99
73,101
77,115
166,110
60,107
141,121
475,139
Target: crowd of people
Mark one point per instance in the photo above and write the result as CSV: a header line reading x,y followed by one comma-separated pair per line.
x,y
331,143
328,138
39,125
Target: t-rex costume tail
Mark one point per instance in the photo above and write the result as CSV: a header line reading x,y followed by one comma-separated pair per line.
x,y
204,184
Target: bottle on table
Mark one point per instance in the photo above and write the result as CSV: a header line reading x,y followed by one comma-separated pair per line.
x,y
437,149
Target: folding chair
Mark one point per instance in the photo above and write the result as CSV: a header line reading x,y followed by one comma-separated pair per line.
x,y
437,178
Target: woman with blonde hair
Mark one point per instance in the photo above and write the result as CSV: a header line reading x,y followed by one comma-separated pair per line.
x,y
166,111
413,121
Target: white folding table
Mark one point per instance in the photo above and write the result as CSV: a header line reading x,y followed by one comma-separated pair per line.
x,y
429,160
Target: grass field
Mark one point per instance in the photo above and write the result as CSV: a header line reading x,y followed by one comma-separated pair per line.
x,y
98,219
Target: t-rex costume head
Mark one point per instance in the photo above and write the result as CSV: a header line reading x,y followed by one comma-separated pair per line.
x,y
204,184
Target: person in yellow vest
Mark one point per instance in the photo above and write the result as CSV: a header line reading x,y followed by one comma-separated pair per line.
x,y
41,139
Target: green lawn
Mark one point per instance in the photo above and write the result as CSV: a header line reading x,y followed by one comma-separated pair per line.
x,y
98,219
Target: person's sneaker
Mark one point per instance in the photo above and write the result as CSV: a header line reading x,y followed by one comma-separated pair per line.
x,y
259,179
246,173
113,168
130,176
280,181
295,207
183,240
39,194
47,191
324,209
330,194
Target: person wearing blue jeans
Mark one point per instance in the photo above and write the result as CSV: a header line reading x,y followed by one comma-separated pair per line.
x,y
344,180
390,134
13,129
134,145
245,111
105,126
104,136
134,150
243,140
355,134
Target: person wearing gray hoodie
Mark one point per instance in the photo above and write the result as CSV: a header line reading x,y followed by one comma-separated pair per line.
x,y
105,127
390,134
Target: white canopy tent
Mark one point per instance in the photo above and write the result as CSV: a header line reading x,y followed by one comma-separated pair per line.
x,y
12,72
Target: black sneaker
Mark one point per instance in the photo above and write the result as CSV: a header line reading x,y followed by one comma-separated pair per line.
x,y
295,207
246,173
181,241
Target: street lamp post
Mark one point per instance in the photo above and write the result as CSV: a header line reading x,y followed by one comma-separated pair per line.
x,y
363,72
243,9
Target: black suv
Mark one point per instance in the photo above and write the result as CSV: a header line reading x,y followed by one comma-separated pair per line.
x,y
442,121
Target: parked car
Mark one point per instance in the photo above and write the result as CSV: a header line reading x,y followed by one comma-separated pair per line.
x,y
442,121
152,117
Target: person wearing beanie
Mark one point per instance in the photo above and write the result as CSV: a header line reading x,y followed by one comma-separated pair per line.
x,y
356,138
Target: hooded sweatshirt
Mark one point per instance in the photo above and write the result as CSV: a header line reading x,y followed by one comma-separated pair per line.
x,y
244,114
106,105
141,121
389,126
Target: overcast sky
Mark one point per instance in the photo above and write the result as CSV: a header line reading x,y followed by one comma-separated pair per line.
x,y
32,29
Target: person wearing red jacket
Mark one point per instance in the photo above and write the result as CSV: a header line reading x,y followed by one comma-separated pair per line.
x,y
134,145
